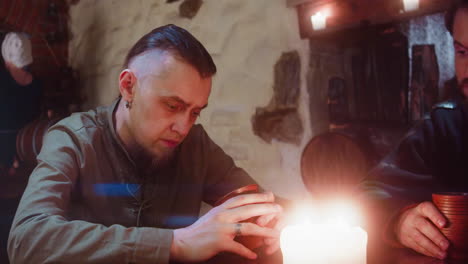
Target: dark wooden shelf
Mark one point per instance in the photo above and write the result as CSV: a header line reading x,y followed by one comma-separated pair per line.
x,y
349,14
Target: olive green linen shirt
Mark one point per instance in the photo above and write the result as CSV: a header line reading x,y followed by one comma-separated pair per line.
x,y
86,201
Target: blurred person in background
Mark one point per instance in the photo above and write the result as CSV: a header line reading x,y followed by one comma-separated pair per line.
x,y
20,95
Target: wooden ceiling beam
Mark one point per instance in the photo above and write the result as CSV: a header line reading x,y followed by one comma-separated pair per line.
x,y
346,14
293,3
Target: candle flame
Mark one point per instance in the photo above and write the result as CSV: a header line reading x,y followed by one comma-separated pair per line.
x,y
319,20
410,5
339,212
344,213
324,233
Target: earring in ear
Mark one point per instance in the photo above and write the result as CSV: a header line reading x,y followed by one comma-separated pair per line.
x,y
128,104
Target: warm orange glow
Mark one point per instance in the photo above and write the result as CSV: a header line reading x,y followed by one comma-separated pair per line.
x,y
411,5
324,234
343,212
304,244
329,211
326,12
319,20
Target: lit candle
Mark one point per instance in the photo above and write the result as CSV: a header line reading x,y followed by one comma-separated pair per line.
x,y
319,21
324,234
410,5
323,244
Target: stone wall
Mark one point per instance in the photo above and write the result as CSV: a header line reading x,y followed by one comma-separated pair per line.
x,y
246,39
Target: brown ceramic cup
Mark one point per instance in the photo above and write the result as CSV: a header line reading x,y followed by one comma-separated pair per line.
x,y
251,242
454,206
252,188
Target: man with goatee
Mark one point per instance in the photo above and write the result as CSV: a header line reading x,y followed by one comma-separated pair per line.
x,y
124,183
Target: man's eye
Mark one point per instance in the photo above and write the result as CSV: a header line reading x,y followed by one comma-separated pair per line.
x,y
172,107
196,113
460,51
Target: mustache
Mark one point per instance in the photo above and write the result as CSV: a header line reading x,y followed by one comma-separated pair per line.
x,y
178,137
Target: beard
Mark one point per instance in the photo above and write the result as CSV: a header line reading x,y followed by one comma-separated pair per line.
x,y
148,163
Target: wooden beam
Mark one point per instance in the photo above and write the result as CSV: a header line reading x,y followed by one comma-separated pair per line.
x,y
293,3
356,13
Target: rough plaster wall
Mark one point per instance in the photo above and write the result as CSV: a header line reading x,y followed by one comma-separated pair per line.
x,y
245,38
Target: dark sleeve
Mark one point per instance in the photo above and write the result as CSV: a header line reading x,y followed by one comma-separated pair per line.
x,y
34,99
222,174
405,175
29,98
41,232
402,178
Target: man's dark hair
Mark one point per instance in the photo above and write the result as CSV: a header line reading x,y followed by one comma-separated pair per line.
x,y
180,43
450,15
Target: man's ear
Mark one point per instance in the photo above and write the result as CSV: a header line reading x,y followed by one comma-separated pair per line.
x,y
127,81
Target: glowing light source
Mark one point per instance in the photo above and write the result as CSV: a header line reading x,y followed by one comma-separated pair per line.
x,y
330,239
323,244
319,20
411,5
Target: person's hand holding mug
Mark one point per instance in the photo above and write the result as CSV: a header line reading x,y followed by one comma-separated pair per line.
x,y
418,228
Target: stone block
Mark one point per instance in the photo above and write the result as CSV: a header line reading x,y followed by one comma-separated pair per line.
x,y
280,119
189,8
287,78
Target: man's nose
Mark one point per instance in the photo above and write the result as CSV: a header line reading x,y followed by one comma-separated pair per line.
x,y
182,124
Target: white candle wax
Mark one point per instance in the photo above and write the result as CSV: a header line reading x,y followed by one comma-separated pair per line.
x,y
411,5
323,244
319,21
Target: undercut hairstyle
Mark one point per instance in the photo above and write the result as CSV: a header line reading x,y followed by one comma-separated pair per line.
x,y
180,43
450,15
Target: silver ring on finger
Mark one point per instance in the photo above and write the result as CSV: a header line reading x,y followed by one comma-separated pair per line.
x,y
237,229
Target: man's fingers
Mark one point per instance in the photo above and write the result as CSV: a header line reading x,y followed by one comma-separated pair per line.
x,y
239,249
244,199
425,246
433,234
281,223
272,248
421,250
247,211
429,210
272,245
270,241
264,220
250,229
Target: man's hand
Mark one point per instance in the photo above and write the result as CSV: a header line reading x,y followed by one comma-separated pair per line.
x,y
276,221
215,231
416,228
